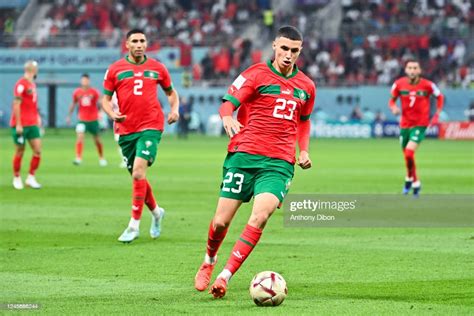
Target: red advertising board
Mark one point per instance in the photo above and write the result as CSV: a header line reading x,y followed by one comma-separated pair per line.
x,y
456,130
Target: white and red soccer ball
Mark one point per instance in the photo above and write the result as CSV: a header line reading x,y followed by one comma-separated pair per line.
x,y
268,288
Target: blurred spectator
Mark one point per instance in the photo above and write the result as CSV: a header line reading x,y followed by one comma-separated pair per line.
x,y
379,117
356,114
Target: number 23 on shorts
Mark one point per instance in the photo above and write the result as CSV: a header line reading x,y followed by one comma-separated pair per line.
x,y
232,182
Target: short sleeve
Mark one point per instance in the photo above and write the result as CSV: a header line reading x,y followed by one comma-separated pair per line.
x,y
109,82
164,79
395,92
242,89
435,90
19,90
75,96
309,104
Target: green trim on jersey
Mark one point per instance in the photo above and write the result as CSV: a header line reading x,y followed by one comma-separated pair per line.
x,y
422,93
270,89
301,94
231,99
107,92
125,74
150,74
305,117
133,63
404,92
295,70
170,88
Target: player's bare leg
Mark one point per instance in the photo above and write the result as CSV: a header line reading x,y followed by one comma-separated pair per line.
x,y
412,179
263,207
100,151
140,166
18,156
34,164
225,211
79,146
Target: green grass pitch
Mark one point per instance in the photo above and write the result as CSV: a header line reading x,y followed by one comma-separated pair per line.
x,y
59,247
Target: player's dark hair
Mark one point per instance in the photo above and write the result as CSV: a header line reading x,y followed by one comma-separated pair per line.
x,y
412,60
135,31
85,75
290,32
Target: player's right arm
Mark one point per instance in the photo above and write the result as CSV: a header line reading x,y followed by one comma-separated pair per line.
x,y
392,103
241,91
71,108
108,109
17,114
17,98
109,89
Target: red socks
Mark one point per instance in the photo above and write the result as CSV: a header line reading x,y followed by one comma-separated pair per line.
x,y
100,149
149,198
243,247
79,146
410,163
17,165
138,197
214,240
34,164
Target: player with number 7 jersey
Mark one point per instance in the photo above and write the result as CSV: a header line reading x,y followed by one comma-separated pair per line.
x,y
274,101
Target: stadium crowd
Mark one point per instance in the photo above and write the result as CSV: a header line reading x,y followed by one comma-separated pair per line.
x,y
375,37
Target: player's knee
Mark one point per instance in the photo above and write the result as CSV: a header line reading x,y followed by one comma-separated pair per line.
x,y
138,174
20,151
220,224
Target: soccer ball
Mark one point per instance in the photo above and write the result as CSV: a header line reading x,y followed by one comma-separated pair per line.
x,y
268,288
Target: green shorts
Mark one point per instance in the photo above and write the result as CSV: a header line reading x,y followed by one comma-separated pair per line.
x,y
245,175
88,126
29,132
142,144
415,134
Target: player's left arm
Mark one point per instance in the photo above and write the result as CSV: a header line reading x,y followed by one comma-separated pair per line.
x,y
171,94
173,99
304,129
439,103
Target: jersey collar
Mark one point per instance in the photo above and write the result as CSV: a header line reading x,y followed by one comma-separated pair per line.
x,y
133,63
270,65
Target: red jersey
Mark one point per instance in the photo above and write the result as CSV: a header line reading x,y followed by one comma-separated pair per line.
x,y
136,89
26,91
415,100
87,99
273,106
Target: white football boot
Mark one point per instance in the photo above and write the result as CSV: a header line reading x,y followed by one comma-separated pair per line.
x,y
129,235
18,183
32,183
155,229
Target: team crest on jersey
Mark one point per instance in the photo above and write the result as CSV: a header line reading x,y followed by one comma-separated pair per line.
x,y
302,96
148,143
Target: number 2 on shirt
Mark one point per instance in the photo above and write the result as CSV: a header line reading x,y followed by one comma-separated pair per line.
x,y
138,85
281,105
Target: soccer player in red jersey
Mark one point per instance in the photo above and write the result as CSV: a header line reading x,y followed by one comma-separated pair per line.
x,y
25,125
414,93
87,97
277,99
140,122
